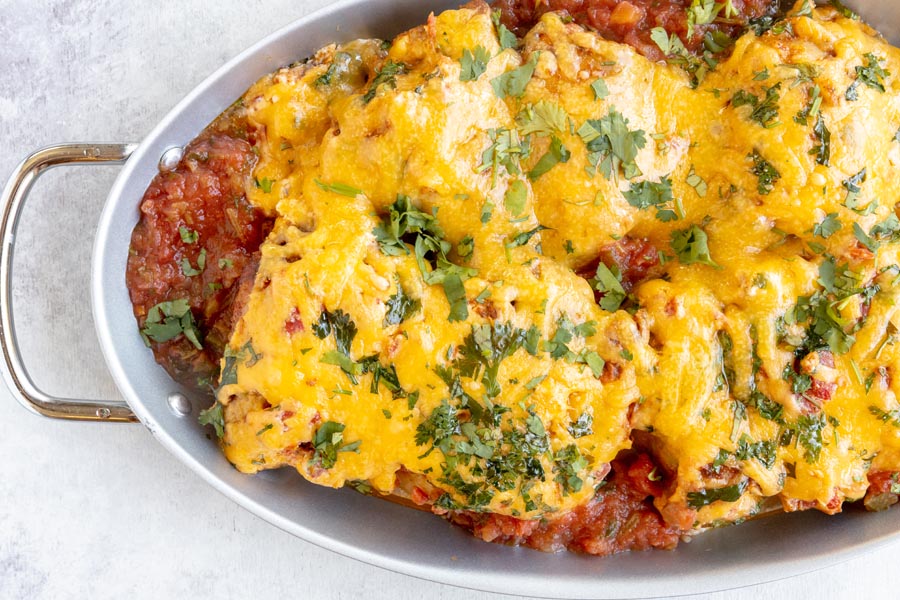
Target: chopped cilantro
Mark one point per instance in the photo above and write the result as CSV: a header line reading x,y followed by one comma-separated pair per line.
x,y
691,246
505,151
473,63
405,223
764,110
822,149
513,83
188,236
516,197
568,463
215,416
600,89
865,239
582,426
892,416
828,227
853,185
386,76
812,107
167,320
765,172
697,182
843,10
556,153
524,237
328,443
506,37
731,493
872,74
400,307
809,434
609,283
645,194
339,188
543,118
612,146
265,184
189,270
340,62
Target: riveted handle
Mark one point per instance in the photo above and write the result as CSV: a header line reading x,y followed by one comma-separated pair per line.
x,y
13,200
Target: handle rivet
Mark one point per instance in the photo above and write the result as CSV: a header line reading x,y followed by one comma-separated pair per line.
x,y
179,404
103,413
170,159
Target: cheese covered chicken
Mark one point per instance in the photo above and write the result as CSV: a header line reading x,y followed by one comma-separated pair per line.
x,y
597,287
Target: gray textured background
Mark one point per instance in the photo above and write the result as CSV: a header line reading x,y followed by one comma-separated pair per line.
x,y
103,511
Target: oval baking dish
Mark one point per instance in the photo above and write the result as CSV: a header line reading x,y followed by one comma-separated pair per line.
x,y
379,533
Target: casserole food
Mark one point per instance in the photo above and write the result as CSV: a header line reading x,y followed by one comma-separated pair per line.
x,y
347,520
422,321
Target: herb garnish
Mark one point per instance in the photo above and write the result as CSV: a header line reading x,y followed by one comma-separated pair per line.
x,y
513,83
506,37
328,442
385,76
645,194
691,246
612,146
406,224
473,64
215,416
188,236
400,307
167,320
765,172
608,281
764,110
872,74
731,493
189,270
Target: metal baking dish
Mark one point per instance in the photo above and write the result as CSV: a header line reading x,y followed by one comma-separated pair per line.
x,y
380,533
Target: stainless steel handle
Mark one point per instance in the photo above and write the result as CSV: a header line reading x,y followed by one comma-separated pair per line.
x,y
13,200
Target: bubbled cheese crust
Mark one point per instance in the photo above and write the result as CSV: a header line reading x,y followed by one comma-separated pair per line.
x,y
424,134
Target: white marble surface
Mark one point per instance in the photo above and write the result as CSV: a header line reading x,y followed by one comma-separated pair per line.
x,y
103,511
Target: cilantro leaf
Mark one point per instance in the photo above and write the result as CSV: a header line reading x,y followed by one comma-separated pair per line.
x,y
543,118
339,188
188,236
612,146
601,90
513,83
506,37
524,237
400,307
764,111
731,493
822,149
691,246
644,194
872,74
215,416
473,64
167,320
328,442
556,153
828,227
516,198
386,76
609,283
765,172
189,270
582,426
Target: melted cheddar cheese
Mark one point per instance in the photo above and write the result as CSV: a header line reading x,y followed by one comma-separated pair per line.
x,y
755,360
